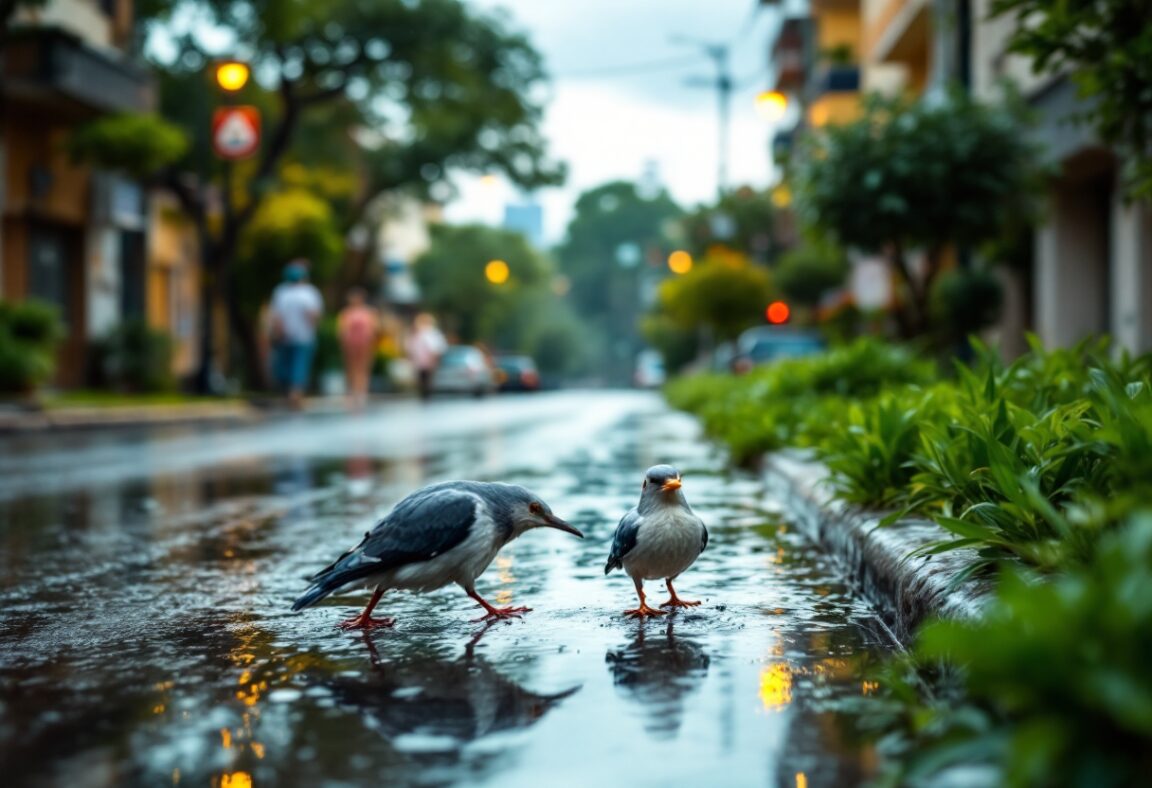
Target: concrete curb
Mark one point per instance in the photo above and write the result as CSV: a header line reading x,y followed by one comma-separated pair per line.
x,y
80,418
906,592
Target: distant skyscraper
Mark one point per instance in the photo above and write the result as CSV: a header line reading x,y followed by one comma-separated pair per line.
x,y
527,218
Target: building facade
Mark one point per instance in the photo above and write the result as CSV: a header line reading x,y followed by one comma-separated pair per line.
x,y
95,244
1091,254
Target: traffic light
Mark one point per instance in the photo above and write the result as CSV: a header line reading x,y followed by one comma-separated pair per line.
x,y
777,313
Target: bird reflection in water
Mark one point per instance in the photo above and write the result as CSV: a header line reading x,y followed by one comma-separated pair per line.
x,y
658,672
445,702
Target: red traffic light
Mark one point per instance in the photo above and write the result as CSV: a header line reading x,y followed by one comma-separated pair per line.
x,y
777,312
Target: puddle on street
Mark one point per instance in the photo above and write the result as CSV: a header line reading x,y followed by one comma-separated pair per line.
x,y
146,637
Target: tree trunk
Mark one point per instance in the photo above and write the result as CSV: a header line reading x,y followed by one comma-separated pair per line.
x,y
908,314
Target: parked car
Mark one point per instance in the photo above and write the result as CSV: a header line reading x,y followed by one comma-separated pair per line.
x,y
516,373
763,344
464,369
649,372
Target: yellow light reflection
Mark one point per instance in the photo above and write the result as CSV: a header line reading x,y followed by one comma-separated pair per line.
x,y
680,262
776,686
496,272
236,780
801,780
868,687
232,76
226,738
257,749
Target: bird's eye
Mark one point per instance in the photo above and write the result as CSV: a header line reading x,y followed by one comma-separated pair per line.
x,y
535,508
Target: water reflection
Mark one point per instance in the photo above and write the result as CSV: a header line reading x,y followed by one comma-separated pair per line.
x,y
429,704
658,672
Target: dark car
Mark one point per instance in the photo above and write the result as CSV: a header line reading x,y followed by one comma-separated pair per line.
x,y
764,344
516,373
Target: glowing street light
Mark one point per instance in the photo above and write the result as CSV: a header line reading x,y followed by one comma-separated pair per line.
x,y
680,262
771,104
496,272
232,75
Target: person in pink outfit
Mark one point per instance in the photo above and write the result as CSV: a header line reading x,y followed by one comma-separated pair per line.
x,y
358,327
425,345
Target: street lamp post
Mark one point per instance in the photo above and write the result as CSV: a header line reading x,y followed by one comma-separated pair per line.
x,y
229,143
723,84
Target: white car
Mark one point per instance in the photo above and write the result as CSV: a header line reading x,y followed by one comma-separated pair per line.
x,y
464,369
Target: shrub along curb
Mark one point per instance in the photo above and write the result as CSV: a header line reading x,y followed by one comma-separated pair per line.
x,y
905,591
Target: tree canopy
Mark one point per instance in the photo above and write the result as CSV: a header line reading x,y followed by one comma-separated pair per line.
x,y
1107,48
918,176
366,96
724,292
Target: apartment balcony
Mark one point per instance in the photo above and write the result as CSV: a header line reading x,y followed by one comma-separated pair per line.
x,y
835,79
789,54
50,67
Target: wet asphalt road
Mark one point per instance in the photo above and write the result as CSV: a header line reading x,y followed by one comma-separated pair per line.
x,y
145,635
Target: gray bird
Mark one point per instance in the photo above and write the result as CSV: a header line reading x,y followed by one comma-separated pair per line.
x,y
440,534
659,538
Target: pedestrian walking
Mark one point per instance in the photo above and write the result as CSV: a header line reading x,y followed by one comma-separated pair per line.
x,y
358,327
295,311
425,345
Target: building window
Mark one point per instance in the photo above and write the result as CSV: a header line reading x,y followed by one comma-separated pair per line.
x,y
133,284
48,268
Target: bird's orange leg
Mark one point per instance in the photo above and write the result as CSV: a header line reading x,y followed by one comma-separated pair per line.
x,y
495,612
676,601
365,620
643,611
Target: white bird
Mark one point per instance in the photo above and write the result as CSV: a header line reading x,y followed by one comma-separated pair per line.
x,y
659,538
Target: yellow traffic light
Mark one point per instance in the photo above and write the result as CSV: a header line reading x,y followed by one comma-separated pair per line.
x,y
232,75
680,262
496,272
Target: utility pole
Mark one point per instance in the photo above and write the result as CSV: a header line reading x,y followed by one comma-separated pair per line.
x,y
722,83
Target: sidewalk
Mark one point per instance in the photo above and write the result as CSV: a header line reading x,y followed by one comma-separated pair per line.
x,y
19,419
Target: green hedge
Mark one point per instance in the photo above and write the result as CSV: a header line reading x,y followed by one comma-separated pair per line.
x,y
29,334
1040,466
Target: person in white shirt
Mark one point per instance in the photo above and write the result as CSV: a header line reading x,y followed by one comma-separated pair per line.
x,y
296,309
425,345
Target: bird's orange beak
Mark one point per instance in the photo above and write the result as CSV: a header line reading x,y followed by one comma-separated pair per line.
x,y
670,485
555,522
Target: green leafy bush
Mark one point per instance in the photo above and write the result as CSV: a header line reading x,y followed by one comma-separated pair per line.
x,y
1054,687
136,358
795,401
29,333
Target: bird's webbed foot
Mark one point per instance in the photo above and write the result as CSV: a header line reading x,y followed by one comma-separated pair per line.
x,y
678,602
498,613
365,623
644,611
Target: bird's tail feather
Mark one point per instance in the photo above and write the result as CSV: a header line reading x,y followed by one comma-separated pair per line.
x,y
613,563
325,583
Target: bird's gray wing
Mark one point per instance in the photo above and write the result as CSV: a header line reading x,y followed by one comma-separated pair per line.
x,y
624,540
421,527
703,536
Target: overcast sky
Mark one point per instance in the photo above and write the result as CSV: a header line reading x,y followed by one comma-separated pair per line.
x,y
607,119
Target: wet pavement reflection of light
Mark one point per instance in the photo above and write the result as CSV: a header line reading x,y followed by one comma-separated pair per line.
x,y
145,636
